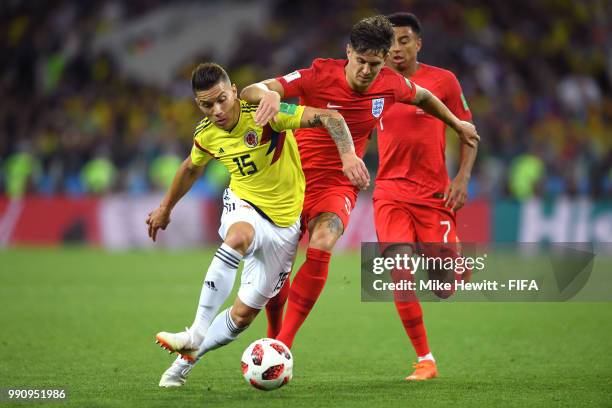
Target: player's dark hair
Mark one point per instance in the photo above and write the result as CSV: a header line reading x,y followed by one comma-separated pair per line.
x,y
372,34
401,19
207,75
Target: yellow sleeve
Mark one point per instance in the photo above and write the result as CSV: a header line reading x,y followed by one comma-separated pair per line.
x,y
289,117
199,155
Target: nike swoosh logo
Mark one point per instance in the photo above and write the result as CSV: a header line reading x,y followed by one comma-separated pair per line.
x,y
330,106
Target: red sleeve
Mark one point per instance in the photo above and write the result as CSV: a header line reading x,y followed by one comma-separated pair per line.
x,y
454,99
298,83
405,89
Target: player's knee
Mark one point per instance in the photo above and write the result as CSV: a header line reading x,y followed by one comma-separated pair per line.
x,y
240,237
323,240
326,231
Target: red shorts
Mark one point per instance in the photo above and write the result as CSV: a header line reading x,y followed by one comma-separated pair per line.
x,y
398,221
339,200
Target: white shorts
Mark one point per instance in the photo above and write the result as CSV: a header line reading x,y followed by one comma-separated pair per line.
x,y
268,261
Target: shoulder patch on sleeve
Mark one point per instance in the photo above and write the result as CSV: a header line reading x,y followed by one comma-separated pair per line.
x,y
292,76
465,104
287,108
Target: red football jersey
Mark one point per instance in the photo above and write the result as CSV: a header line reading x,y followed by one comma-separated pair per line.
x,y
324,85
411,143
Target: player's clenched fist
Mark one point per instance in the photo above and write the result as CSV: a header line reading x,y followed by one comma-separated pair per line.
x,y
158,218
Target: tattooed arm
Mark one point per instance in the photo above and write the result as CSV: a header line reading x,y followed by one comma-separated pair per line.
x,y
352,166
269,94
334,123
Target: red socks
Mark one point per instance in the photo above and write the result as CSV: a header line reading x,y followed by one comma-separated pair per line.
x,y
305,290
274,310
411,314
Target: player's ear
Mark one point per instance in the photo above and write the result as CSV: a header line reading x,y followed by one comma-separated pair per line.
x,y
419,44
235,90
349,49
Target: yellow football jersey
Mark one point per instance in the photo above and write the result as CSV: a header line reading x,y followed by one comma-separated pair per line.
x,y
264,162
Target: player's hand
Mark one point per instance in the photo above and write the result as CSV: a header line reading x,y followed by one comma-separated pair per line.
x,y
158,218
456,194
467,133
355,170
268,107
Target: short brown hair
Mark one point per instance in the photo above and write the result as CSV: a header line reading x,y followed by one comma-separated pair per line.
x,y
372,34
207,75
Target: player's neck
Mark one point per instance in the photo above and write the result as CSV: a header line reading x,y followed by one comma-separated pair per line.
x,y
355,87
410,69
235,116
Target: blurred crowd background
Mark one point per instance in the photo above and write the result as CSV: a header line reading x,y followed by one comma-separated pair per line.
x,y
96,96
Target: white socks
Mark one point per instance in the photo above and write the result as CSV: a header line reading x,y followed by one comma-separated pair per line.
x,y
217,286
222,331
428,356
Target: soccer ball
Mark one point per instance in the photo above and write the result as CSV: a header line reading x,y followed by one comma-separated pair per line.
x,y
267,364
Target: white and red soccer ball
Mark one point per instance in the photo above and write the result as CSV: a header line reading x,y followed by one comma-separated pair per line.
x,y
267,364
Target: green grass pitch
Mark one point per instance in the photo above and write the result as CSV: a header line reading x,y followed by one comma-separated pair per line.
x,y
85,320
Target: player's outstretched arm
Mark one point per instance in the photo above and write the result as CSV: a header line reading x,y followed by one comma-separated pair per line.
x,y
184,178
352,166
268,95
432,105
